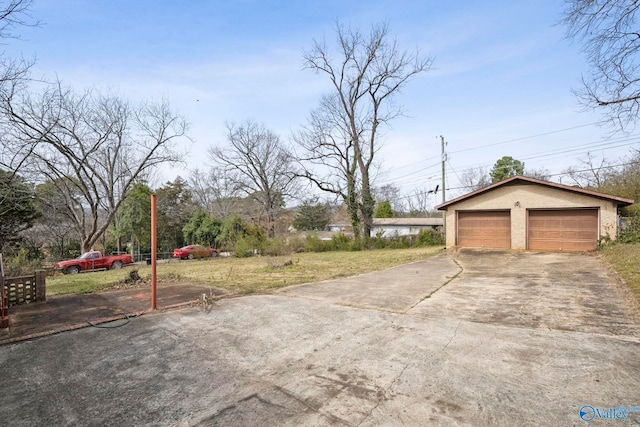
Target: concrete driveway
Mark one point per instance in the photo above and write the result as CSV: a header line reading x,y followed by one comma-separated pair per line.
x,y
488,339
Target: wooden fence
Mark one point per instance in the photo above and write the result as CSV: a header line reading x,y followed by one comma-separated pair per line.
x,y
4,300
26,289
20,290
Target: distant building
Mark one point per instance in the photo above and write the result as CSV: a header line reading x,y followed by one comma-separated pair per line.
x,y
347,229
396,227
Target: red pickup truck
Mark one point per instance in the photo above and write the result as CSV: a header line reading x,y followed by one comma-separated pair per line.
x,y
93,261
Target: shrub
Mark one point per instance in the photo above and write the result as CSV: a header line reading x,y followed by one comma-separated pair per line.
x,y
631,232
341,242
314,244
605,240
72,250
430,238
21,264
248,246
353,245
295,244
276,247
378,242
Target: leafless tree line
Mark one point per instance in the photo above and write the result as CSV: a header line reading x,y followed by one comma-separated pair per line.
x,y
89,146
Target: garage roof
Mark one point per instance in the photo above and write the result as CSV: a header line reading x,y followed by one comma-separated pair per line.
x,y
525,180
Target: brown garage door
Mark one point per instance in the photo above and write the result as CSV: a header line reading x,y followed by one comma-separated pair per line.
x,y
484,229
563,230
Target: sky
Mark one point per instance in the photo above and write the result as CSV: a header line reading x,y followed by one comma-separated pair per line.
x,y
501,82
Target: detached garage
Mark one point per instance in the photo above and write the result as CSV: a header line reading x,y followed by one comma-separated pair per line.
x,y
527,213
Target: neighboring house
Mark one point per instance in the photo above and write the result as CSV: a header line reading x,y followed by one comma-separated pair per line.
x,y
321,235
395,227
527,213
347,229
326,234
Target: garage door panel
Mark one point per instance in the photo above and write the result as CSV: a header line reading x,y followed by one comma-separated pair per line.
x,y
485,229
563,230
572,247
581,235
588,235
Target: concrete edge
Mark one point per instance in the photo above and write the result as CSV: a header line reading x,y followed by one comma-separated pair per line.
x,y
93,323
286,288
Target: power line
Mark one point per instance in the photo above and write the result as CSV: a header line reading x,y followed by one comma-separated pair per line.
x,y
566,174
418,171
423,175
498,143
522,138
596,145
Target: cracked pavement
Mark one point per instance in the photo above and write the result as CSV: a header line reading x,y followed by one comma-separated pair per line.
x,y
510,339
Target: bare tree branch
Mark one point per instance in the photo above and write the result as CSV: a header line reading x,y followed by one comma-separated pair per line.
x,y
611,44
592,173
15,13
475,178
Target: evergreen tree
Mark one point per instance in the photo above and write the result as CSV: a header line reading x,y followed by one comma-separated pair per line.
x,y
506,167
384,210
312,216
18,208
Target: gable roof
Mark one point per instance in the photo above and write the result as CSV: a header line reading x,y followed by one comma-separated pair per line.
x,y
520,180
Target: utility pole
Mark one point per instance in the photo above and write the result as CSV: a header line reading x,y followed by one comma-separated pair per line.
x,y
444,213
154,254
444,158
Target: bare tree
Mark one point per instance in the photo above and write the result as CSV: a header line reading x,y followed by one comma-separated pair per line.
x,y
392,194
13,71
258,163
55,229
541,174
18,210
214,191
366,75
591,173
421,201
326,155
91,147
475,178
611,43
624,181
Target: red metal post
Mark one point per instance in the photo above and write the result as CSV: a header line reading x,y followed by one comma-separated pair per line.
x,y
154,253
4,299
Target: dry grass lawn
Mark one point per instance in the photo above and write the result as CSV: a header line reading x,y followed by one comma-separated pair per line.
x,y
248,275
625,259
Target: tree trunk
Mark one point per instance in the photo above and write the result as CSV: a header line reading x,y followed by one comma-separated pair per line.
x,y
367,209
352,207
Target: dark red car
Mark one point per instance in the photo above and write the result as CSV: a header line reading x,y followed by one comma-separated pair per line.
x,y
195,251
